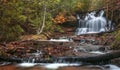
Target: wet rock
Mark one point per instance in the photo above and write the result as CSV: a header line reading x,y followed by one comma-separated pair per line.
x,y
80,68
102,49
116,61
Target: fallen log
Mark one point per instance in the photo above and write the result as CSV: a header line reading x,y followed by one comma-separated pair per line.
x,y
71,59
92,59
20,60
10,59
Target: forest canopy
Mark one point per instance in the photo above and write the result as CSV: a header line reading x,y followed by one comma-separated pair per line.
x,y
19,17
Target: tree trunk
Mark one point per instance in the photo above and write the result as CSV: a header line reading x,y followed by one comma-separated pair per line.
x,y
40,29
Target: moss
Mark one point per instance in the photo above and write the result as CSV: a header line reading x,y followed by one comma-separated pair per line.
x,y
116,43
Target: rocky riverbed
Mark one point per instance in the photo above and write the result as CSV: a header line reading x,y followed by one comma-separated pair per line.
x,y
46,51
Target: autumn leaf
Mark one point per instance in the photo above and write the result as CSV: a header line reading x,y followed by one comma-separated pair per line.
x,y
59,19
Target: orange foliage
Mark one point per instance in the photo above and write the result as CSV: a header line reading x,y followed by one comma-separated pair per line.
x,y
59,19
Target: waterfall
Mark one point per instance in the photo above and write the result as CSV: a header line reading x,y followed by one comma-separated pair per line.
x,y
92,23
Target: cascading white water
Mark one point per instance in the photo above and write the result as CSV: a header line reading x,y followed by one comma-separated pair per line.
x,y
92,23
30,62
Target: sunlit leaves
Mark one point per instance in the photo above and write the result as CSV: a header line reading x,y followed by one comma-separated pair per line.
x,y
78,5
60,18
22,18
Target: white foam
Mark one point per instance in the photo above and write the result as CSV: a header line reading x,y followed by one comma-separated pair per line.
x,y
57,65
97,52
60,40
26,64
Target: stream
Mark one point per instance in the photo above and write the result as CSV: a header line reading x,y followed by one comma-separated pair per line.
x,y
67,53
69,57
58,65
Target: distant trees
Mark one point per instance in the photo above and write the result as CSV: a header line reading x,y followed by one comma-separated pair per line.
x,y
19,17
9,20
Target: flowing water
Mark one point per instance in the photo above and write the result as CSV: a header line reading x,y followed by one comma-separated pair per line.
x,y
62,65
93,23
57,66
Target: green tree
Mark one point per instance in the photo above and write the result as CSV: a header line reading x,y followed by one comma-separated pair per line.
x,y
35,16
9,27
